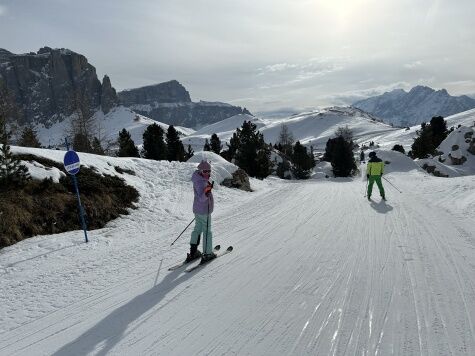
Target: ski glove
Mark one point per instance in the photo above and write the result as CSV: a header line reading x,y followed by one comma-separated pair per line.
x,y
367,176
208,189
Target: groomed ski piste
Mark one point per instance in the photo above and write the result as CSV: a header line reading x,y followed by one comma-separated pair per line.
x,y
317,269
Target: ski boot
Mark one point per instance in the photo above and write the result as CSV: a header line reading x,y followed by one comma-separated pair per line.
x,y
194,253
207,257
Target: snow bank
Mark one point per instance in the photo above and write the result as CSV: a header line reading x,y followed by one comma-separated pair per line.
x,y
220,168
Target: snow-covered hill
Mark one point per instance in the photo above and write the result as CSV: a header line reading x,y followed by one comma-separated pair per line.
x,y
316,270
420,104
311,129
108,126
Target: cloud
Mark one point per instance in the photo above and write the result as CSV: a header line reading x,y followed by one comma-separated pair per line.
x,y
3,10
413,65
352,96
281,75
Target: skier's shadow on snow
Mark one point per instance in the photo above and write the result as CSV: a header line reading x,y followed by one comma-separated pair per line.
x,y
381,207
110,330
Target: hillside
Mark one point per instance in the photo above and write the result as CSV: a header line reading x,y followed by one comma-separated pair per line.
x,y
107,125
312,129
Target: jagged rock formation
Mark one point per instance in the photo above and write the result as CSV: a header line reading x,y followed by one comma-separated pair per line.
x,y
420,104
109,97
170,103
46,84
168,92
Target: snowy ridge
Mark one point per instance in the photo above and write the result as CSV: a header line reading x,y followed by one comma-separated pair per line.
x,y
311,128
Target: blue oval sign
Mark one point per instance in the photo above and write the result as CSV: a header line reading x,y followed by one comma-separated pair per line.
x,y
71,162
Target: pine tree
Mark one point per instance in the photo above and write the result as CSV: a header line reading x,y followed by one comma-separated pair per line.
x,y
189,153
83,125
207,146
176,151
429,137
285,140
399,148
215,143
96,147
12,172
248,155
127,146
81,143
233,146
439,130
154,146
340,153
29,138
282,168
303,162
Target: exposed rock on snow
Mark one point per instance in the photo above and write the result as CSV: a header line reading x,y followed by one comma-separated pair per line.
x,y
240,180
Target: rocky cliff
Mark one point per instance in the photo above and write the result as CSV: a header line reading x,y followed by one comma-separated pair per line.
x,y
170,103
47,85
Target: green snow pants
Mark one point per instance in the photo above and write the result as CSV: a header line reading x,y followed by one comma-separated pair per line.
x,y
200,228
376,179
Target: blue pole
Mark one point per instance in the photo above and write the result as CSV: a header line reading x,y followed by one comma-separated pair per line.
x,y
76,188
81,210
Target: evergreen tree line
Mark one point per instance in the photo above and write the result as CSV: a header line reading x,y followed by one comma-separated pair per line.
x,y
157,145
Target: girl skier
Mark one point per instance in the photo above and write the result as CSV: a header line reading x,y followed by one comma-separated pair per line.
x,y
203,205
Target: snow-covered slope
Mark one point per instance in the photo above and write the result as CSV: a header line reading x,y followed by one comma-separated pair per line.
x,y
420,104
406,137
108,126
457,154
316,270
311,129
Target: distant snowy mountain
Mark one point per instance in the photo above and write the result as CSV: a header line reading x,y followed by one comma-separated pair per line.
x,y
310,128
420,104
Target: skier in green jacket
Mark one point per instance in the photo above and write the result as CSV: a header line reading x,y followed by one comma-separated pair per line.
x,y
374,172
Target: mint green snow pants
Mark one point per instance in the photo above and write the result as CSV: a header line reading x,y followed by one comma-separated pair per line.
x,y
376,179
200,228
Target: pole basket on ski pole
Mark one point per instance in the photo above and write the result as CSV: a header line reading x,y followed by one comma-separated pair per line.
x,y
392,184
187,226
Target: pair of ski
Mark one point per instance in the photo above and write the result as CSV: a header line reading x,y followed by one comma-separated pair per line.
x,y
216,250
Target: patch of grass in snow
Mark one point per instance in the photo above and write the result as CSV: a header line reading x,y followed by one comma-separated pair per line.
x,y
45,207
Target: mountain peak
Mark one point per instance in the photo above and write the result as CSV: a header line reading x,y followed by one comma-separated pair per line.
x,y
421,89
420,104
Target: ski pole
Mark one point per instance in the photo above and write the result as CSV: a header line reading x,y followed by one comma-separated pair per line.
x,y
392,184
207,228
366,188
207,223
187,226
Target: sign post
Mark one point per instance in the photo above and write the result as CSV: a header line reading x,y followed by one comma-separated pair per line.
x,y
72,165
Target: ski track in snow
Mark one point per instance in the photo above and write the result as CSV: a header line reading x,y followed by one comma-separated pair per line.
x,y
316,269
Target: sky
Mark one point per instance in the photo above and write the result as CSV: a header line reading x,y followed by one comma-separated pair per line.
x,y
265,55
